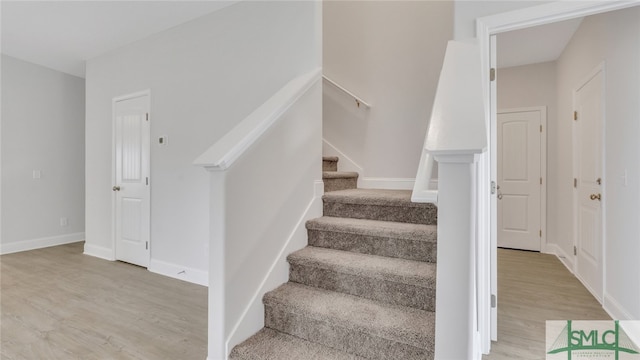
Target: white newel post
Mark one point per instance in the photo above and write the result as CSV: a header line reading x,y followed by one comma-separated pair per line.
x,y
456,138
456,276
217,277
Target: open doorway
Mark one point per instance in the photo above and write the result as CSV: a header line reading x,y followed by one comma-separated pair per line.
x,y
565,237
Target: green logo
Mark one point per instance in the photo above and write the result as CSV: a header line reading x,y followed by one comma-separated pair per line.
x,y
593,340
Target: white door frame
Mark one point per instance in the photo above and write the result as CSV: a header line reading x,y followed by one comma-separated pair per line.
x,y
115,100
543,168
486,29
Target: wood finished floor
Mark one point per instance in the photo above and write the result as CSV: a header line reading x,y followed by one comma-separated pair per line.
x,y
59,304
533,288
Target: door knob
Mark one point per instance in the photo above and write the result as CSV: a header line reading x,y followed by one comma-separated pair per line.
x,y
116,188
595,197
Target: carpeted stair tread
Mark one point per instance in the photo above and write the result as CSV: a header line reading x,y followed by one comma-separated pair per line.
x,y
329,163
339,175
387,229
416,273
294,308
269,344
378,204
374,197
382,238
339,180
389,280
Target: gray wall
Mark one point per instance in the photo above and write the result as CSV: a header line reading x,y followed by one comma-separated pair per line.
x,y
42,129
205,76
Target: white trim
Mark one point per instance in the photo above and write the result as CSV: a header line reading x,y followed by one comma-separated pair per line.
x,y
387,183
33,244
99,252
179,272
544,14
554,249
318,188
231,146
358,99
273,277
345,163
514,20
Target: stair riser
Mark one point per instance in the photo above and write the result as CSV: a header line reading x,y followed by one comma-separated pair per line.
x,y
374,245
414,215
341,337
340,184
389,292
328,165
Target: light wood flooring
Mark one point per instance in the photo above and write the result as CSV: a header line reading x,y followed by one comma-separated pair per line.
x,y
533,288
59,304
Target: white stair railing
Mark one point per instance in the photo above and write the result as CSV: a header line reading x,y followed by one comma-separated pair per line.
x,y
356,98
455,140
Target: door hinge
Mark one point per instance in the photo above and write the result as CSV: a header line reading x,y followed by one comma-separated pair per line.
x,y
540,181
494,301
575,115
492,74
540,232
540,128
575,182
147,245
147,116
575,250
147,180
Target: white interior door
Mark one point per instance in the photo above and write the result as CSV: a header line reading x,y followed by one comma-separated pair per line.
x,y
131,189
588,181
519,133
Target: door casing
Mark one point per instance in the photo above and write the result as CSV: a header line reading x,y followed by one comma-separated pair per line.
x,y
486,29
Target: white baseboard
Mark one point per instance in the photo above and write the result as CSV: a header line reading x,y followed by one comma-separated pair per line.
x,y
99,252
387,183
179,272
33,244
278,274
344,162
566,260
615,310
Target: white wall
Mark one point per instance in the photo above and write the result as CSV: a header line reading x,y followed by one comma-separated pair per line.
x,y
42,129
204,77
535,85
389,53
615,39
265,212
467,11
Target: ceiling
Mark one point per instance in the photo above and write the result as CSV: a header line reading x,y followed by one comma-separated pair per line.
x,y
62,35
535,44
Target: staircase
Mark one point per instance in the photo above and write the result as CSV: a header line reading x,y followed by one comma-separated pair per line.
x,y
364,288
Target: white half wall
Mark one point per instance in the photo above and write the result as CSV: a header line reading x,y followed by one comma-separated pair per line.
x,y
614,38
389,53
42,157
204,77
